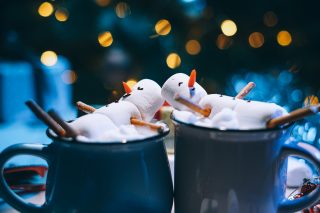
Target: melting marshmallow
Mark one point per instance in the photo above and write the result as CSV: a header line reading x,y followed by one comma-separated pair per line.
x,y
92,125
178,85
218,102
146,96
255,114
119,113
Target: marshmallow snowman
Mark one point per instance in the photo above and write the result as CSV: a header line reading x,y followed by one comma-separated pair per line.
x,y
185,86
146,96
256,114
142,102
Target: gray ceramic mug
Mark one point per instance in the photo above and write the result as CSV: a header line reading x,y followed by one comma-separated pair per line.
x,y
132,177
235,171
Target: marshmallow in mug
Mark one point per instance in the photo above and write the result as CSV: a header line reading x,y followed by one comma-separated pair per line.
x,y
218,102
178,84
225,119
256,114
146,96
92,125
120,113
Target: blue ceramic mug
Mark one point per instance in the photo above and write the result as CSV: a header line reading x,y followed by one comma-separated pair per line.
x,y
234,171
132,177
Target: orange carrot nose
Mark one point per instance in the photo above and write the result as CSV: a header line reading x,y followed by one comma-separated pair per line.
x,y
192,79
126,87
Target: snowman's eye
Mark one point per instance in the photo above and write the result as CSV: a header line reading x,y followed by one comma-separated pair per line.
x,y
180,83
139,88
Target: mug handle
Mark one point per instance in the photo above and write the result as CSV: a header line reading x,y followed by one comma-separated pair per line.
x,y
312,154
6,193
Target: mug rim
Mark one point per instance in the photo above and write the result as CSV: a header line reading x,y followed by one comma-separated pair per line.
x,y
284,127
75,141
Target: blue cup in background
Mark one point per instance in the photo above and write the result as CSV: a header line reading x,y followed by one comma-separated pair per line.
x,y
98,177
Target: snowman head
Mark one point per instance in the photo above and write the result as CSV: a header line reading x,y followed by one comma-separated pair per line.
x,y
185,86
146,96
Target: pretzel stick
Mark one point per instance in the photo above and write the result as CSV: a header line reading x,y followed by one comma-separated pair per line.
x,y
246,90
85,107
70,132
152,126
89,109
293,116
45,118
205,112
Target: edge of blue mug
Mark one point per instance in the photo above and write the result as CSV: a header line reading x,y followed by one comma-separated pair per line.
x,y
284,127
156,137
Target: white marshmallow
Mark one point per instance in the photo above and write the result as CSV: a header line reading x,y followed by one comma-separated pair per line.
x,y
218,102
146,96
126,133
225,119
120,113
297,171
178,85
93,125
255,114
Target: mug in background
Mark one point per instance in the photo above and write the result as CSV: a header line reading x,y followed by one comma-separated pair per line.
x,y
98,177
219,171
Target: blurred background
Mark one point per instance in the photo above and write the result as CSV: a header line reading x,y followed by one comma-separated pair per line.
x,y
61,51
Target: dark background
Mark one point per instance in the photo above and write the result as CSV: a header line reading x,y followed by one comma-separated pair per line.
x,y
25,35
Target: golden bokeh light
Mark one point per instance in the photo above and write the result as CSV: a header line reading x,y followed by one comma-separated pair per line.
x,y
256,39
62,14
122,10
131,82
49,58
223,42
173,60
105,39
114,92
163,27
311,101
103,3
228,27
284,38
193,47
69,77
45,9
270,19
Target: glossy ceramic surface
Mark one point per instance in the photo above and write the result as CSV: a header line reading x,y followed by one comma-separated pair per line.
x,y
233,171
100,177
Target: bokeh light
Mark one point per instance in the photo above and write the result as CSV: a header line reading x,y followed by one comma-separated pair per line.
x,y
256,39
49,58
270,19
103,3
131,82
311,100
122,10
228,27
45,9
284,38
173,60
223,42
105,39
193,47
163,27
62,14
69,77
